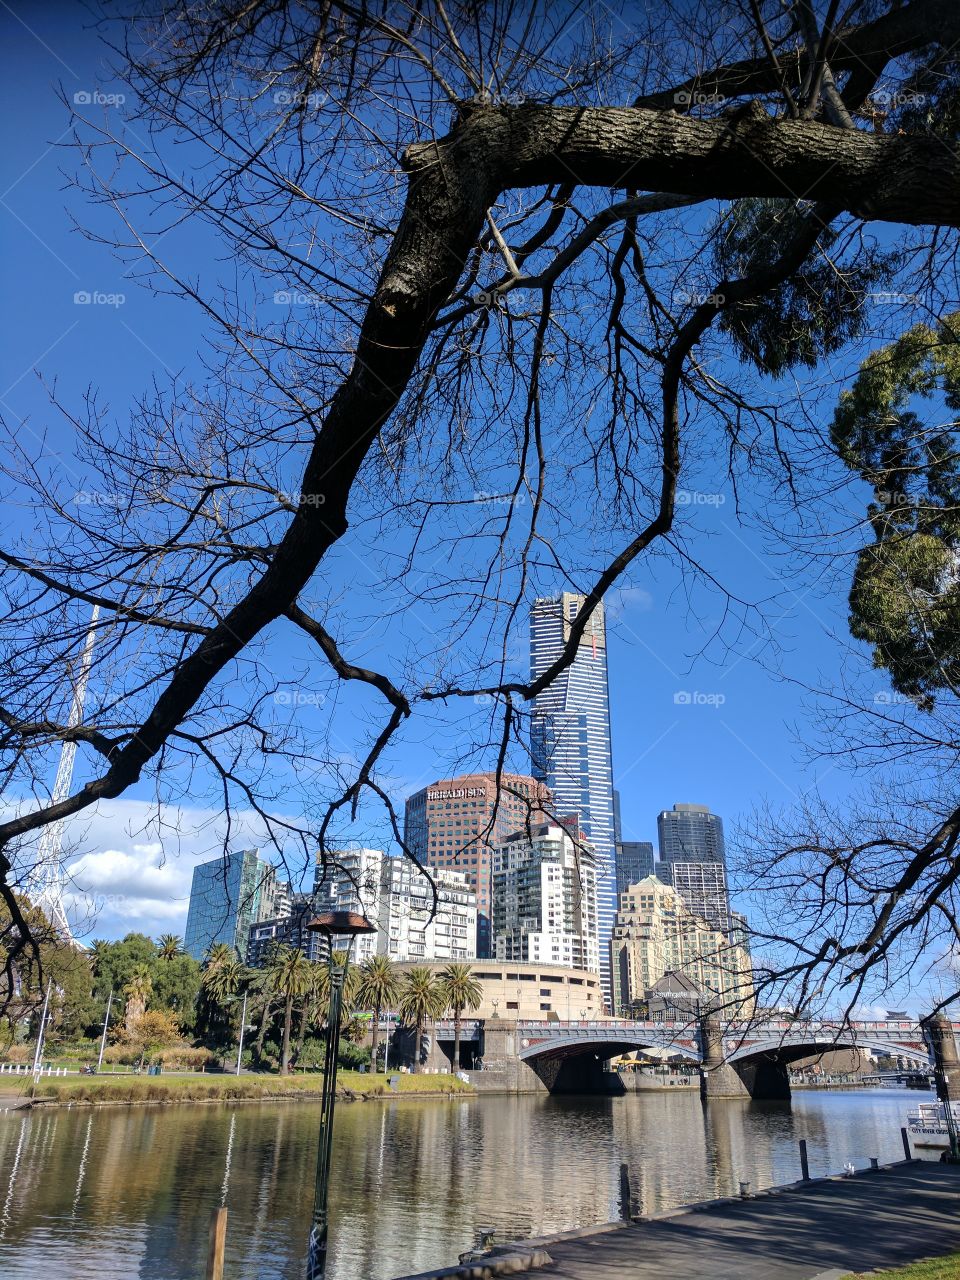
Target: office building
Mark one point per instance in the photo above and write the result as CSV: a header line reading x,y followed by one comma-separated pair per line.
x,y
287,929
693,859
426,917
570,741
349,880
457,822
635,861
228,895
703,888
545,899
655,934
691,833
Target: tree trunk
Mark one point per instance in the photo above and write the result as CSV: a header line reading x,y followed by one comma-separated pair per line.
x,y
418,1047
305,1016
374,1038
285,1048
262,1032
456,1039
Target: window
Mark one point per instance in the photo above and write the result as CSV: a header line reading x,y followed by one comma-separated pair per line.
x,y
545,1008
512,1004
544,991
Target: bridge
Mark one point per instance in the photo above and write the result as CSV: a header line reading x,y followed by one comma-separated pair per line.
x,y
736,1059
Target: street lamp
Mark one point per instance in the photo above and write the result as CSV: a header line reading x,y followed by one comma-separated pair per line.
x,y
339,924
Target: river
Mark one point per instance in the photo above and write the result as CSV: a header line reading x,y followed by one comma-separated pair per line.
x,y
127,1192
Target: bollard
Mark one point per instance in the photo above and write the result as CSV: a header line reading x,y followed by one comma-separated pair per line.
x,y
744,1190
625,1193
804,1164
218,1240
874,1162
905,1138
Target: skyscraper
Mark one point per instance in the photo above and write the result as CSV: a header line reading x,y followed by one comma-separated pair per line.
x,y
545,900
635,861
691,833
693,859
227,897
570,741
457,822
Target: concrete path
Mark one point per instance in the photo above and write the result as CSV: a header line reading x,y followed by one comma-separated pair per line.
x,y
874,1220
817,1231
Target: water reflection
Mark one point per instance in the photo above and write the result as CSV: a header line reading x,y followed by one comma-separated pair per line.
x,y
129,1192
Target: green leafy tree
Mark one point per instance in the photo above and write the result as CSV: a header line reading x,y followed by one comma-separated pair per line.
x,y
176,986
421,1000
289,974
461,991
222,979
115,963
890,428
378,988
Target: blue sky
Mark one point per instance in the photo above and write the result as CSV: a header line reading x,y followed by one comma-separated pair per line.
x,y
692,722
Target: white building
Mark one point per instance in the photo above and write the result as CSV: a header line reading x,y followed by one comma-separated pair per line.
x,y
416,925
350,881
545,900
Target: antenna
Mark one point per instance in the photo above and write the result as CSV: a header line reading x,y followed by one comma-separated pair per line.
x,y
46,882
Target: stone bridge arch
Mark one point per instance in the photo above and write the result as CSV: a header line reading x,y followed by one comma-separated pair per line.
x,y
575,1063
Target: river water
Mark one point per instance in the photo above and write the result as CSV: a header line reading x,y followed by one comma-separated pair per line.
x,y
128,1192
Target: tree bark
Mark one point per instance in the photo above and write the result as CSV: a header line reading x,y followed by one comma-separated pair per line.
x,y
374,1039
456,1039
418,1047
285,1048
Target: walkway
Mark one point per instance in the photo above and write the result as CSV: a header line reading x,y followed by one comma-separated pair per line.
x,y
826,1230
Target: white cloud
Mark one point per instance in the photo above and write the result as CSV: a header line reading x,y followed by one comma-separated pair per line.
x,y
129,863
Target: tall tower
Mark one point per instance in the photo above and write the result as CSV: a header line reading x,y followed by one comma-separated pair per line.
x,y
693,859
570,742
45,884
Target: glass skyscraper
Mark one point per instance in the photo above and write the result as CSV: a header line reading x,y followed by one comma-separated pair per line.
x,y
227,897
570,742
693,859
635,861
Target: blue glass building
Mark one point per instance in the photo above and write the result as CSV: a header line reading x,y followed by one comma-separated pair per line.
x,y
570,742
227,897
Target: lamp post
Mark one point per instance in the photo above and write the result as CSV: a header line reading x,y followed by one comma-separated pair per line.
x,y
334,924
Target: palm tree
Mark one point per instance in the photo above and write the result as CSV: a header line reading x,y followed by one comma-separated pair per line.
x,y
223,976
170,946
99,950
289,976
378,988
421,999
461,991
137,991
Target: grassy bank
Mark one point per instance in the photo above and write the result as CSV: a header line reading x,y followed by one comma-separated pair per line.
x,y
947,1268
213,1088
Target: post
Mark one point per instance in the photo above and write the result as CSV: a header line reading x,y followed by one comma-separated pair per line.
x,y
938,1030
38,1055
103,1038
625,1193
218,1240
243,1021
905,1138
317,1247
804,1164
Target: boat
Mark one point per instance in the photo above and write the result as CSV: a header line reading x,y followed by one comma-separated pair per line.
x,y
927,1125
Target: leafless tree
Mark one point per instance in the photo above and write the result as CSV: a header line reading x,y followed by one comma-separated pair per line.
x,y
486,268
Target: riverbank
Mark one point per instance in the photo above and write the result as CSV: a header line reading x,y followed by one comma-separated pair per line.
x,y
133,1090
830,1227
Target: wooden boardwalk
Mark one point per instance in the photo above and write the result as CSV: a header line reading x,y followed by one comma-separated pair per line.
x,y
824,1229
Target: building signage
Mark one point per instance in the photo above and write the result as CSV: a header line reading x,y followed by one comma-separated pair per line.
x,y
459,793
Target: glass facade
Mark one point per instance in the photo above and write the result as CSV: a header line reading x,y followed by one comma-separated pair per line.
x,y
570,742
693,859
225,900
635,861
